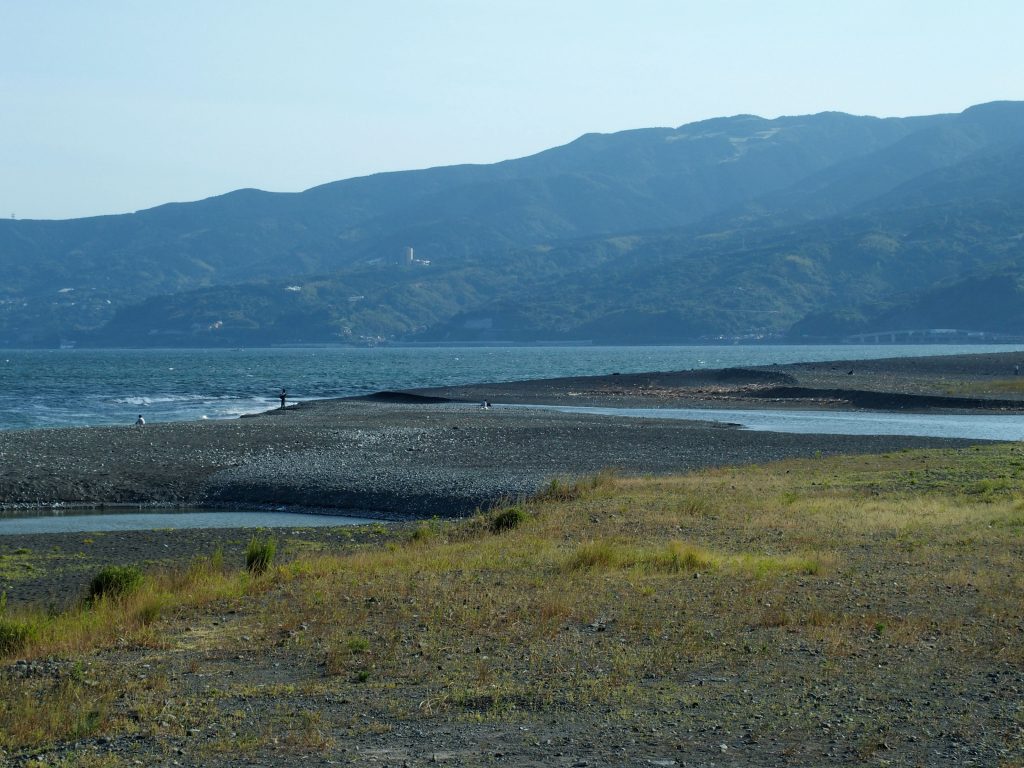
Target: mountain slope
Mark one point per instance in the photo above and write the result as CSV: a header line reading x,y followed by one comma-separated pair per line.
x,y
963,220
639,179
732,226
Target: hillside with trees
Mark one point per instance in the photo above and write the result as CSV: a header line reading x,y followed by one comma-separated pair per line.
x,y
807,228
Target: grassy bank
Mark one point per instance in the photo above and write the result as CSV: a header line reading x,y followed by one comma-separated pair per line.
x,y
858,609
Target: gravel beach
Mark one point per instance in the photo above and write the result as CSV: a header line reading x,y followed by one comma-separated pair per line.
x,y
966,383
426,453
395,461
437,453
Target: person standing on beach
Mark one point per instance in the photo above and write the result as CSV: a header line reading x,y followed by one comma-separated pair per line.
x,y
283,396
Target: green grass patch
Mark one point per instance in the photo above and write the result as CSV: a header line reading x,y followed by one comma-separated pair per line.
x,y
571,489
680,556
23,564
16,634
259,554
508,519
115,581
599,554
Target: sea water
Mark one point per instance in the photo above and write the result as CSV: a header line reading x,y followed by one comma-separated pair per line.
x,y
57,388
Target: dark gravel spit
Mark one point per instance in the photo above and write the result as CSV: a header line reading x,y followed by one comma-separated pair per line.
x,y
394,456
434,452
400,461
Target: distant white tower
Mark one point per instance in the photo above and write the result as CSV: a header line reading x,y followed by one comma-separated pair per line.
x,y
409,255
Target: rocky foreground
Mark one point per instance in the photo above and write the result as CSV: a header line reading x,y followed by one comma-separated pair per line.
x,y
861,610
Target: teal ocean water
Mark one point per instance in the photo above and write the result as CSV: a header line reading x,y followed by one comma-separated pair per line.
x,y
55,388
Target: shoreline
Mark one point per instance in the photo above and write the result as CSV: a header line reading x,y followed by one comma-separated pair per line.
x,y
433,452
418,454
944,383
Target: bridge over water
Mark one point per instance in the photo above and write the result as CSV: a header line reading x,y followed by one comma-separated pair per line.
x,y
930,336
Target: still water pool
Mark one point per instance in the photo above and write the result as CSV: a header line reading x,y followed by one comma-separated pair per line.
x,y
966,426
56,521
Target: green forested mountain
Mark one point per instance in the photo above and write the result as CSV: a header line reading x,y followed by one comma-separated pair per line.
x,y
815,226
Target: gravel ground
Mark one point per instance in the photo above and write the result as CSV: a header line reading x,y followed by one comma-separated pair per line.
x,y
891,384
403,456
401,461
432,453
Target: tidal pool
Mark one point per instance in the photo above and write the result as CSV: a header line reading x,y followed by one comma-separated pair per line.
x,y
981,426
73,521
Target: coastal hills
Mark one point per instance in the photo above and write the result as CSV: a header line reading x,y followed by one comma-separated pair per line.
x,y
818,227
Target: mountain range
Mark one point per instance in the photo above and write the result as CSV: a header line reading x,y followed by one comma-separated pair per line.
x,y
813,228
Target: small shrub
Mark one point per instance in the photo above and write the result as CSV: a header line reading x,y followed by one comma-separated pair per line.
x,y
358,645
508,519
15,635
115,581
259,554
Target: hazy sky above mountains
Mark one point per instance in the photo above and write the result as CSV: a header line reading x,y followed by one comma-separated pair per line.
x,y
118,105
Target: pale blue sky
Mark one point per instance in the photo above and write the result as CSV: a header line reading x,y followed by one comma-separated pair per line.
x,y
117,105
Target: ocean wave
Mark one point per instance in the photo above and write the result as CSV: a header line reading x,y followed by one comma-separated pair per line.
x,y
37,412
159,399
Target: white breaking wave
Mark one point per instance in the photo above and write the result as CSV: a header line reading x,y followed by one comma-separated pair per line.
x,y
154,399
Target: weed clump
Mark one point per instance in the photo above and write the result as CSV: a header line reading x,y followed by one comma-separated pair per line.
x,y
351,657
15,635
423,533
149,611
507,519
217,560
595,554
115,581
259,554
559,489
357,645
679,557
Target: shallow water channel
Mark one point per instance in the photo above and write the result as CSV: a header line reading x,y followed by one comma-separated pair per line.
x,y
981,426
75,521
965,426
